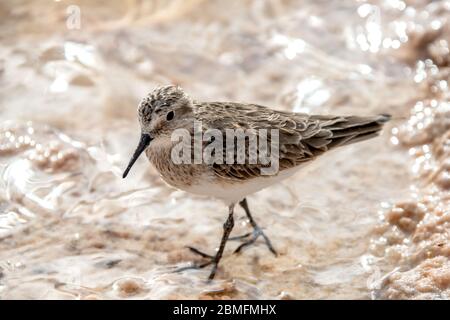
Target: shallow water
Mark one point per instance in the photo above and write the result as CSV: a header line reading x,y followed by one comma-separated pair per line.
x,y
368,221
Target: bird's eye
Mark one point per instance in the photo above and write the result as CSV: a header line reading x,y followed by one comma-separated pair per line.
x,y
170,116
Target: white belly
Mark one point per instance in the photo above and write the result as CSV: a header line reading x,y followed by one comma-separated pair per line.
x,y
234,192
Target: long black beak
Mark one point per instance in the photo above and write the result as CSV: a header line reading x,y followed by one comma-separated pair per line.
x,y
143,144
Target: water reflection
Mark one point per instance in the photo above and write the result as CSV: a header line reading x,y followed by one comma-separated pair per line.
x,y
311,93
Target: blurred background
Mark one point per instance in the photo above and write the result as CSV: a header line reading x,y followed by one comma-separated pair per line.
x,y
370,221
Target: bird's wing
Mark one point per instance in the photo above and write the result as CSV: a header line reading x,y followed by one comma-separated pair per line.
x,y
301,137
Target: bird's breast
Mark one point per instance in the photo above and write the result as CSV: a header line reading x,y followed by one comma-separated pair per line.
x,y
178,175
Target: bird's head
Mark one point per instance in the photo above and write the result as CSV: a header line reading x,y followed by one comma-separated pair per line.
x,y
162,111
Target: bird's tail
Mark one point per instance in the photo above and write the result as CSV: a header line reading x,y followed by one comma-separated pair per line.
x,y
355,129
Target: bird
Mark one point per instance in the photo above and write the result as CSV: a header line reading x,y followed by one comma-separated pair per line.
x,y
300,138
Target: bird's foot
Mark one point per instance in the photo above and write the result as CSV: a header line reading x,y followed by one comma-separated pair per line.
x,y
210,260
252,237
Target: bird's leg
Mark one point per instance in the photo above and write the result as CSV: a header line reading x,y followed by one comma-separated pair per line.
x,y
214,260
227,227
257,232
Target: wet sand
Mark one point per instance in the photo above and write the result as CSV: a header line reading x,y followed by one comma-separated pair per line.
x,y
368,221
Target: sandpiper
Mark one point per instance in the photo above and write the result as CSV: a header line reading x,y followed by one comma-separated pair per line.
x,y
300,139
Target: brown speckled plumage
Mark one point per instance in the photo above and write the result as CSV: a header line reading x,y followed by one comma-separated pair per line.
x,y
301,137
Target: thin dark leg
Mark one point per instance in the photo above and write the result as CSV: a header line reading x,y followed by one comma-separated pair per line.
x,y
214,260
227,227
257,231
244,206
